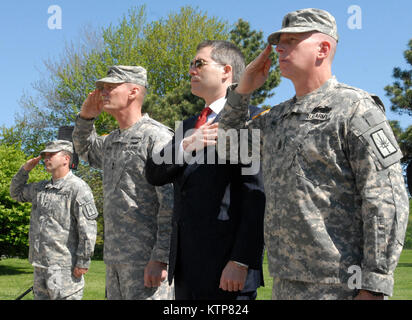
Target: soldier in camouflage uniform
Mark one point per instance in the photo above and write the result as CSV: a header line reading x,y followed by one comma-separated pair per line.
x,y
137,215
62,224
336,209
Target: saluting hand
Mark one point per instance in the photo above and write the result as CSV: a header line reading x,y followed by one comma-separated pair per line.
x,y
255,73
31,163
92,106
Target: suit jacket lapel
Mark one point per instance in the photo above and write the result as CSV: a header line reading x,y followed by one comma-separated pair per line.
x,y
217,118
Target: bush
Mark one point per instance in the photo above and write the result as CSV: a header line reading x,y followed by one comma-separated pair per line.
x,y
408,235
14,216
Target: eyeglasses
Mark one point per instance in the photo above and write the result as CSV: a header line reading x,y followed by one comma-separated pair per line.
x,y
199,63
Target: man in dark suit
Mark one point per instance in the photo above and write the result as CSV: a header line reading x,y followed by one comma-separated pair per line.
x,y
217,236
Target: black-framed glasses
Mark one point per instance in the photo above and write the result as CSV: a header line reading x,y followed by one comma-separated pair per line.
x,y
199,63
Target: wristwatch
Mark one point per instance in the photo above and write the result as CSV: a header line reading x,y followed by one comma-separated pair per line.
x,y
241,264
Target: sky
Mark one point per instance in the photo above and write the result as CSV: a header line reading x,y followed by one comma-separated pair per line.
x,y
373,37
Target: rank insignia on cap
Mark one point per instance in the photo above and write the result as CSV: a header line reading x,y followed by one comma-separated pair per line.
x,y
383,144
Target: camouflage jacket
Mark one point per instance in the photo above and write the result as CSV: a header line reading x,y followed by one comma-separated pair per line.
x,y
335,192
62,221
137,215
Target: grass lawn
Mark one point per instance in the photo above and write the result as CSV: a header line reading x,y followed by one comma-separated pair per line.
x,y
16,275
403,277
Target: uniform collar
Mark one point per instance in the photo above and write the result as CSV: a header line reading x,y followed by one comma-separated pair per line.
x,y
139,122
121,135
58,184
306,103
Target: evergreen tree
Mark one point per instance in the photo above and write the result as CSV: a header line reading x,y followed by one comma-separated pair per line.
x,y
400,93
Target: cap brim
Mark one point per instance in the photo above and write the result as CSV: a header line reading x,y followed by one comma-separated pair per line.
x,y
274,37
50,150
99,83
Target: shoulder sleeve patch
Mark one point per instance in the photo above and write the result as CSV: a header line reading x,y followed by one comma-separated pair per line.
x,y
372,128
89,211
383,144
381,140
88,208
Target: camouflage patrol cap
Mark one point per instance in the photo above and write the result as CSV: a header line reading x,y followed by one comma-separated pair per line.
x,y
122,74
58,145
306,20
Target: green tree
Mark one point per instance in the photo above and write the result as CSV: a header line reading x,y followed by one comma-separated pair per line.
x,y
252,44
400,92
408,235
169,45
404,138
14,216
176,105
406,143
94,179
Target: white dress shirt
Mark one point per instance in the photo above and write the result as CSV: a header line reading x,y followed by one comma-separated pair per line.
x,y
216,107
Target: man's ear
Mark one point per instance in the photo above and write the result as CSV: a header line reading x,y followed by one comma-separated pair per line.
x,y
68,158
227,72
134,92
324,50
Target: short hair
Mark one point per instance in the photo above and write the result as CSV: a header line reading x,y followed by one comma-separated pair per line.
x,y
143,89
333,43
226,52
70,155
